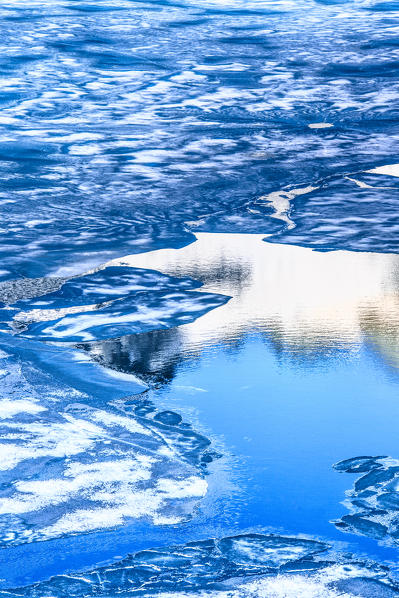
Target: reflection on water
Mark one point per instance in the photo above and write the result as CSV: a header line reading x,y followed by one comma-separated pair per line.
x,y
380,327
308,304
291,373
232,374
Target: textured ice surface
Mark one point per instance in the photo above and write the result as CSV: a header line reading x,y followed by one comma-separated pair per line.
x,y
110,303
325,217
112,282
252,565
138,313
63,366
187,567
67,467
333,582
374,500
13,290
190,445
142,117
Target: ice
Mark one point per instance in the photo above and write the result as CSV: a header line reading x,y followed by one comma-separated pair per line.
x,y
108,283
326,218
366,588
375,478
364,525
55,108
374,500
188,567
389,500
139,313
9,407
256,550
123,129
109,303
67,467
64,366
320,125
248,565
359,464
75,456
14,290
191,446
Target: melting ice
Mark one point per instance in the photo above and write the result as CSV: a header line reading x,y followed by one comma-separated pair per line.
x,y
374,501
67,467
126,126
246,565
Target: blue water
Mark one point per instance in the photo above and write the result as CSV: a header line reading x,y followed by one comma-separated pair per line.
x,y
153,401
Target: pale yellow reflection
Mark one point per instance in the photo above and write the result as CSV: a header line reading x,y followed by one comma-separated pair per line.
x,y
303,298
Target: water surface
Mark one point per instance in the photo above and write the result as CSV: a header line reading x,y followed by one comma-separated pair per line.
x,y
199,298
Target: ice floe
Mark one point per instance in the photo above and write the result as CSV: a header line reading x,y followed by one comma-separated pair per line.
x,y
247,565
109,303
374,500
67,467
144,311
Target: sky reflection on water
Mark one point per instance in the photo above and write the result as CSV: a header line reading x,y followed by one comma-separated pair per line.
x,y
308,304
297,371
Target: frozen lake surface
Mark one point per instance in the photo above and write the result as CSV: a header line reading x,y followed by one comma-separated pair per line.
x,y
199,287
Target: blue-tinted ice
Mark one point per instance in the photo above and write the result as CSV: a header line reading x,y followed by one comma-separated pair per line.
x,y
110,303
134,353
129,124
374,500
255,564
67,467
